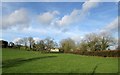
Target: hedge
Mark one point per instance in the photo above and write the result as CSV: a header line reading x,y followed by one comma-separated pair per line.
x,y
104,53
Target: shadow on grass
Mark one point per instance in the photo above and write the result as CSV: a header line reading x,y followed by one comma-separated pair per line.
x,y
93,73
19,61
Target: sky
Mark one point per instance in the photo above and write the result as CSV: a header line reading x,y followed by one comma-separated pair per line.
x,y
58,20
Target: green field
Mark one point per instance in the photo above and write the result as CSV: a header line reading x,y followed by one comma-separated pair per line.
x,y
21,61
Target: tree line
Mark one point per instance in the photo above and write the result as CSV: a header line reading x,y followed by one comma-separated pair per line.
x,y
91,42
28,43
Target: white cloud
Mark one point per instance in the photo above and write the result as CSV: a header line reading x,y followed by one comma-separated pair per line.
x,y
111,27
47,17
77,15
89,4
19,18
69,19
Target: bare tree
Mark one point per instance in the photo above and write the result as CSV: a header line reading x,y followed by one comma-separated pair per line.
x,y
19,43
106,41
83,46
25,40
49,43
40,45
92,40
95,41
31,41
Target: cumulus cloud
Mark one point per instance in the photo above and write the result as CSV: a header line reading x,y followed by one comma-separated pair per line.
x,y
89,4
76,15
19,18
50,18
47,17
68,19
111,27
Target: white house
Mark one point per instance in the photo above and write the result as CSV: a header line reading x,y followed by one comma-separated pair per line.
x,y
54,50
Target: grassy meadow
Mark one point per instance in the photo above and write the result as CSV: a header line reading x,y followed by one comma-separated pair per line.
x,y
21,61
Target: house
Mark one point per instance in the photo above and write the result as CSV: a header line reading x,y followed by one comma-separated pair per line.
x,y
54,50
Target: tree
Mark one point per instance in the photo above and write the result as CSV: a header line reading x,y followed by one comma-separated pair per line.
x,y
25,40
31,42
92,41
40,45
49,43
11,44
55,45
83,46
19,43
67,45
106,40
3,43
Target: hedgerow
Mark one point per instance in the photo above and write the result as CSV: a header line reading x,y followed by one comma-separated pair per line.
x,y
104,53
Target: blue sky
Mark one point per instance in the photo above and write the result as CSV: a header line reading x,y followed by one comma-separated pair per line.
x,y
58,20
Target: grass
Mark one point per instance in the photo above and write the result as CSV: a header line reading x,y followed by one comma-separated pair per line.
x,y
21,61
0,61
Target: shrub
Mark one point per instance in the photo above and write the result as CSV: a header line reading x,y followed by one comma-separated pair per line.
x,y
104,53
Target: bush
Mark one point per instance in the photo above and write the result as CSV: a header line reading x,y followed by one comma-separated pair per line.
x,y
104,53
